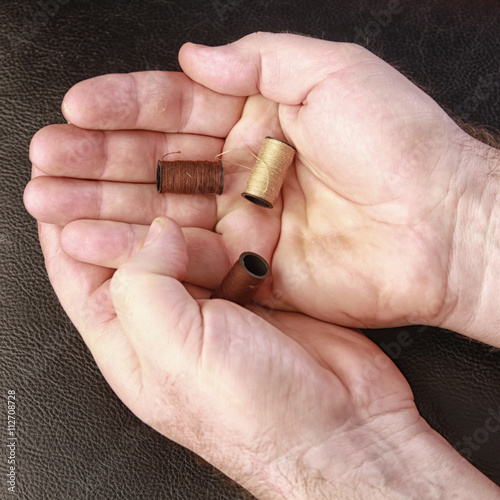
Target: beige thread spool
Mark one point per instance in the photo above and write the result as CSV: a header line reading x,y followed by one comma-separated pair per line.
x,y
265,181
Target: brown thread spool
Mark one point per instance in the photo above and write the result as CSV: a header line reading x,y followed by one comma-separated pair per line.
x,y
190,177
265,181
244,279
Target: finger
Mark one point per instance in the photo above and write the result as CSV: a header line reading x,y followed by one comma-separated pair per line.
x,y
125,156
151,100
84,292
73,281
103,243
282,67
61,200
151,303
111,244
198,292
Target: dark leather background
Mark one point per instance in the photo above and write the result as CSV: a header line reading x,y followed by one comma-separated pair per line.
x,y
76,439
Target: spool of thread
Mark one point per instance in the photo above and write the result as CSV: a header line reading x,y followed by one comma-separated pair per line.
x,y
190,177
265,181
244,279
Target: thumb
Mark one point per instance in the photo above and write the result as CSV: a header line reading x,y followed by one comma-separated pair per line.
x,y
282,67
153,307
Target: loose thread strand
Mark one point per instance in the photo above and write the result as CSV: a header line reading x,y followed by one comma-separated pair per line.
x,y
232,162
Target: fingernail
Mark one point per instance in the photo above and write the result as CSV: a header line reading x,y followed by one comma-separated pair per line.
x,y
155,229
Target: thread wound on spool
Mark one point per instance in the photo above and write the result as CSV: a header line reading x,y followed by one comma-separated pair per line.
x,y
190,177
243,279
268,174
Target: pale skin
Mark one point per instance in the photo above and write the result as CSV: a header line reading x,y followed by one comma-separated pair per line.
x,y
373,229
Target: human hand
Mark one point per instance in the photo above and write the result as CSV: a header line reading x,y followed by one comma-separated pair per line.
x,y
288,406
118,164
371,228
389,217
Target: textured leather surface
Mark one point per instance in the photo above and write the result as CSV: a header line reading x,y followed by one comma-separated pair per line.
x,y
76,439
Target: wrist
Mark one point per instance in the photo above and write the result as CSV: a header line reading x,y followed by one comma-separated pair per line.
x,y
474,271
433,469
360,461
390,458
406,459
